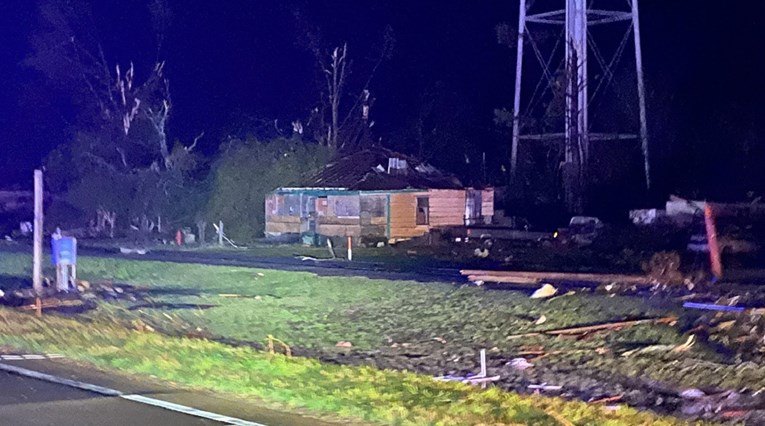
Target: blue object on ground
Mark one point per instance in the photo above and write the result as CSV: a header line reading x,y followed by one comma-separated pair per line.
x,y
713,307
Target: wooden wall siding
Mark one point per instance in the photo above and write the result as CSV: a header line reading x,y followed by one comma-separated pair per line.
x,y
447,207
403,215
276,225
331,220
332,230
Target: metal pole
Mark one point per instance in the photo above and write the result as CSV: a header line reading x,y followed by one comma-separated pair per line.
x,y
641,92
517,98
38,234
220,233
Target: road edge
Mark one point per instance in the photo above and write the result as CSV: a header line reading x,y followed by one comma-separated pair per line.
x,y
140,399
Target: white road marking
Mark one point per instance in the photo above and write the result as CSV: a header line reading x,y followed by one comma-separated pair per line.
x,y
34,356
9,357
188,410
60,380
131,397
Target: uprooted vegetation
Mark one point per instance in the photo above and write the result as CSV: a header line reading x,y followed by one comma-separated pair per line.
x,y
438,329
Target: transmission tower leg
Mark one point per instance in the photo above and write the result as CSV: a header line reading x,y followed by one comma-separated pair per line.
x,y
641,93
517,99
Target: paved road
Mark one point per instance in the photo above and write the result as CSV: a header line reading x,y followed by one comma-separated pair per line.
x,y
31,402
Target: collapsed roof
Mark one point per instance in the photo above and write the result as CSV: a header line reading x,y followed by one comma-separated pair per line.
x,y
375,169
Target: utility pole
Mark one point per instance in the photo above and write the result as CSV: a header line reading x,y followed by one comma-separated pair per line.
x,y
38,235
570,57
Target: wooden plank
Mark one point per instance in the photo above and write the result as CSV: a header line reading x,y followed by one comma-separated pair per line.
x,y
283,219
338,230
573,331
282,227
332,220
509,276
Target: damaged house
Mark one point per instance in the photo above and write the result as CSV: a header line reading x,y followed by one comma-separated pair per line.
x,y
376,193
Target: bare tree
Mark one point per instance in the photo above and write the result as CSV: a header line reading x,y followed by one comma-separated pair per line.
x,y
347,102
336,73
123,114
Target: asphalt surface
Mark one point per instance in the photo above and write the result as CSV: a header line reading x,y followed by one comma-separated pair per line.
x,y
30,402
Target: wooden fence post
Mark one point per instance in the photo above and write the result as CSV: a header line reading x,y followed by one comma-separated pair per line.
x,y
714,248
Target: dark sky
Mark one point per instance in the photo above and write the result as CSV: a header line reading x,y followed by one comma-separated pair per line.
x,y
231,61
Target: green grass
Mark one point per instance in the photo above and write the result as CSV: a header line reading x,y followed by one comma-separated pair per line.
x,y
313,313
316,312
358,393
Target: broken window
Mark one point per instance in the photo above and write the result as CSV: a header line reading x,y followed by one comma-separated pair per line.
x,y
374,205
346,206
473,206
423,210
289,205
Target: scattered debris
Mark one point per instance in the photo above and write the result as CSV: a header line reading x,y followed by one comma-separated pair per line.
x,y
344,344
270,346
611,326
568,293
664,267
544,292
684,347
312,258
712,307
607,400
581,330
545,388
483,253
541,320
125,250
51,303
525,277
481,378
692,393
519,363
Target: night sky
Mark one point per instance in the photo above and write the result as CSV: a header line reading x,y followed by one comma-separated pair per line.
x,y
233,62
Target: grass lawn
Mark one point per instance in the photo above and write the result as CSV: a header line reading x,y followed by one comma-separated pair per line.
x,y
316,312
430,329
355,393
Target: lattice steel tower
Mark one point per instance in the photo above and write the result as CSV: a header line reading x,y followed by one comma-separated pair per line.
x,y
574,23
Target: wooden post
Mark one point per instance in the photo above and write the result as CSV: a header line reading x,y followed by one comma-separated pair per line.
x,y
350,248
220,233
38,235
714,248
